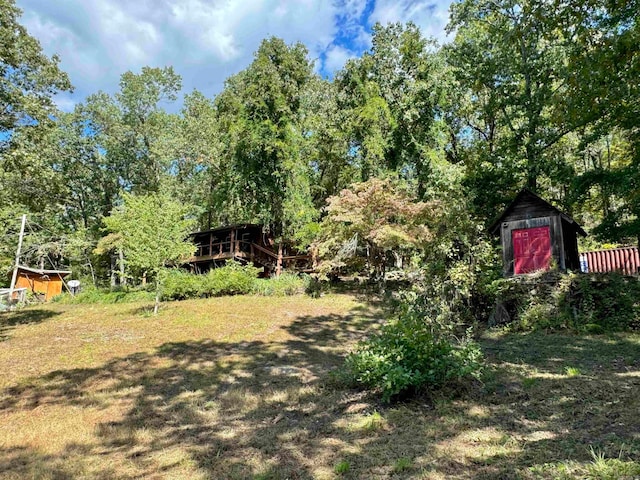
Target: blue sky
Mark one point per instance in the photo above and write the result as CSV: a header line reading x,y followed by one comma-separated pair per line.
x,y
206,41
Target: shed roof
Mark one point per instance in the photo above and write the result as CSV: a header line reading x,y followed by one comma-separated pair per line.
x,y
39,271
528,195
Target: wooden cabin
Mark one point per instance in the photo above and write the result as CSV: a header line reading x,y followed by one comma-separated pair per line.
x,y
244,243
533,233
45,284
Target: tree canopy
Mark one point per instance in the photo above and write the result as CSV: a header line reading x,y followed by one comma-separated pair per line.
x,y
153,232
526,94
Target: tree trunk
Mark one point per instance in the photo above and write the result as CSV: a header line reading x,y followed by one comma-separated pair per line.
x,y
93,273
113,270
157,304
279,262
123,279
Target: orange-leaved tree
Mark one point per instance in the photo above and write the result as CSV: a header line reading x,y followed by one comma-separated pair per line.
x,y
374,222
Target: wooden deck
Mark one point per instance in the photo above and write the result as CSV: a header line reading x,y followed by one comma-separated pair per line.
x,y
245,251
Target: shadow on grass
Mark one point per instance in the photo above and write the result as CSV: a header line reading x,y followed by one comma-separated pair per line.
x,y
10,320
269,410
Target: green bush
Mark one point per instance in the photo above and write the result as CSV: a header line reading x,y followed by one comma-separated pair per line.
x,y
285,285
94,295
411,354
231,279
592,303
180,285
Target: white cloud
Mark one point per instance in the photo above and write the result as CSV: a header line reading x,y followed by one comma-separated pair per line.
x,y
431,16
336,57
206,41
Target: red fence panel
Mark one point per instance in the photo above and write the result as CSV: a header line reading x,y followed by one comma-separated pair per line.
x,y
623,260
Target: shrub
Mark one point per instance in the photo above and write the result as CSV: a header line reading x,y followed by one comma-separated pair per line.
x,y
411,354
91,294
231,279
180,285
341,467
285,285
592,303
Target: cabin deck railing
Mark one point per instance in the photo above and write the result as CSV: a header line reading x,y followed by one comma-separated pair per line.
x,y
239,249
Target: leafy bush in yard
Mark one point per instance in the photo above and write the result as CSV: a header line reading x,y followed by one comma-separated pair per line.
x,y
232,279
90,294
284,285
592,303
412,353
180,285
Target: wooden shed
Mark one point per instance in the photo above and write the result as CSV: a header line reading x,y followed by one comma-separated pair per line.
x,y
533,233
45,283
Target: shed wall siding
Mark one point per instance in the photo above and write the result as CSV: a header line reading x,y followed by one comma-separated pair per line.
x,y
529,208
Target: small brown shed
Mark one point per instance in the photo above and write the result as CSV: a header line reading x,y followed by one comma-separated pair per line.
x,y
533,232
47,283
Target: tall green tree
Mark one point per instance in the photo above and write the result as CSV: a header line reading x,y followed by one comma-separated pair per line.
x,y
511,67
326,143
392,96
28,78
147,144
199,173
133,129
266,176
153,229
604,89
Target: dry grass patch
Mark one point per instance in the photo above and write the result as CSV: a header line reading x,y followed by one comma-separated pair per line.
x,y
238,388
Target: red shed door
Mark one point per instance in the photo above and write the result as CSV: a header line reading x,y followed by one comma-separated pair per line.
x,y
531,249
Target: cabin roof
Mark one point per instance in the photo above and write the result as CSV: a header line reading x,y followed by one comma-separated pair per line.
x,y
228,227
528,195
39,271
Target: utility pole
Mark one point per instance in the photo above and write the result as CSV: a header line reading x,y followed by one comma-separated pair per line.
x,y
15,269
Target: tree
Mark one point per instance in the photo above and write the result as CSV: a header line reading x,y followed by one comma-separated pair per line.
x,y
29,78
198,166
391,98
511,65
604,89
147,142
326,144
153,229
28,81
266,178
384,219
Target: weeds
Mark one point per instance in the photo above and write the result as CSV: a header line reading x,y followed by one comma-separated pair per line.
x,y
342,467
572,371
402,464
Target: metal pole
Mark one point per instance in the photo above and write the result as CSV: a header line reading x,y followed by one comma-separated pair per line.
x,y
15,269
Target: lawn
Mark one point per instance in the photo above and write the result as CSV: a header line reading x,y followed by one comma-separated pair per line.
x,y
240,387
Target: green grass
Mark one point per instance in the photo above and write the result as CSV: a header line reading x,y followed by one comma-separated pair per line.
x,y
342,467
572,371
240,387
402,465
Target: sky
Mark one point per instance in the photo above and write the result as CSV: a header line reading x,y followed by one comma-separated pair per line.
x,y
206,41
